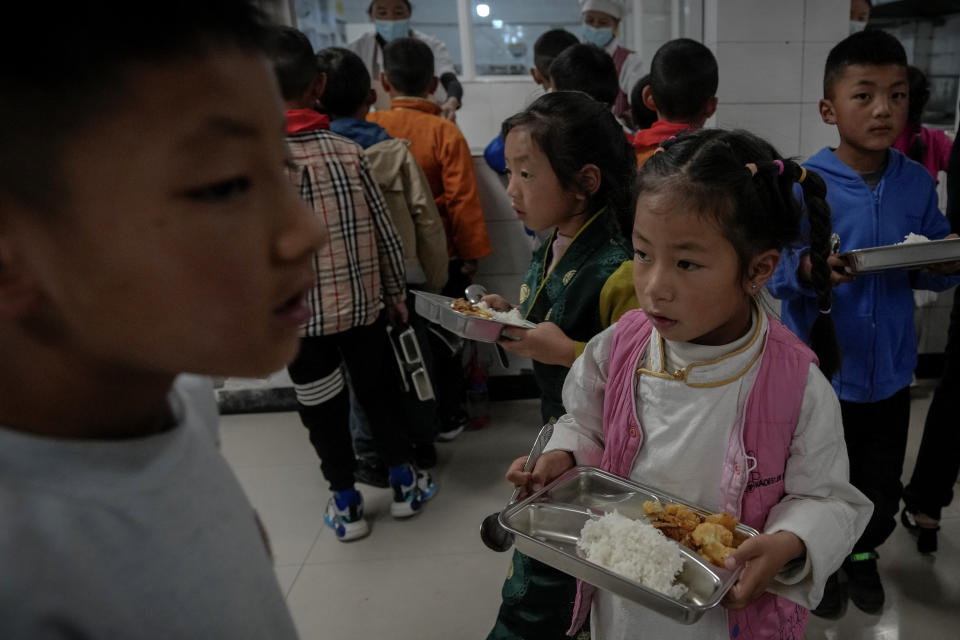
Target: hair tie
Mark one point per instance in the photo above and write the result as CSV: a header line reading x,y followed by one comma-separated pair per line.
x,y
659,149
803,176
779,164
752,168
827,312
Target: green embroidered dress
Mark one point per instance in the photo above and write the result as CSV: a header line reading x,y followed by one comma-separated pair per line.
x,y
587,290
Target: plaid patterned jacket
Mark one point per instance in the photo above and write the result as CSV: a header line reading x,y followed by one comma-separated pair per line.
x,y
360,268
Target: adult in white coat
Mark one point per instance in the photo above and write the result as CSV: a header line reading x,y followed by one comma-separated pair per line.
x,y
392,20
601,21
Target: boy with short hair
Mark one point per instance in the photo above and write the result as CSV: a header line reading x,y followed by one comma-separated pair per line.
x,y
547,47
444,155
877,196
682,91
586,68
145,231
359,273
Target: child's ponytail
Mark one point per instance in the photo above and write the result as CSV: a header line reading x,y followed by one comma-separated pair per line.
x,y
823,337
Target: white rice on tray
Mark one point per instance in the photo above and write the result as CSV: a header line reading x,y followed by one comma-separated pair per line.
x,y
634,549
507,317
914,238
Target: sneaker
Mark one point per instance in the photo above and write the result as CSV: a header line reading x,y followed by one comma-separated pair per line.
x,y
347,523
452,426
864,584
834,602
926,536
408,498
424,455
371,471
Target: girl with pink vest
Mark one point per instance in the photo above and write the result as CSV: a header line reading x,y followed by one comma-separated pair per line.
x,y
704,395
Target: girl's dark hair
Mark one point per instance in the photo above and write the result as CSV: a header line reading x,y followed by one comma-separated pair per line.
x,y
708,170
572,129
919,95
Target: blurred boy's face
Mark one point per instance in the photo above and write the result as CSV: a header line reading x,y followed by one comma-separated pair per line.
x,y
868,106
181,245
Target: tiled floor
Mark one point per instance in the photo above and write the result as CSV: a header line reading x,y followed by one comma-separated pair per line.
x,y
431,578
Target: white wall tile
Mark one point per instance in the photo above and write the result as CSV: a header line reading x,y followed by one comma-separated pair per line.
x,y
779,124
493,192
486,105
814,60
814,134
826,21
760,21
759,72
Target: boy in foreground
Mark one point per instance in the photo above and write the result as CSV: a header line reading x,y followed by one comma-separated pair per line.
x,y
877,196
147,230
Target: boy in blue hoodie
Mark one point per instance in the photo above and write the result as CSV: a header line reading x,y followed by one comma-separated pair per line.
x,y
877,197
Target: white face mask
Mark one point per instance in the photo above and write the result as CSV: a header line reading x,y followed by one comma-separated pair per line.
x,y
857,26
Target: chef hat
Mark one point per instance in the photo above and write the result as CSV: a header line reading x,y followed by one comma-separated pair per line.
x,y
613,7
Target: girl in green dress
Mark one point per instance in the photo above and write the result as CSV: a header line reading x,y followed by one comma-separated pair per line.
x,y
571,170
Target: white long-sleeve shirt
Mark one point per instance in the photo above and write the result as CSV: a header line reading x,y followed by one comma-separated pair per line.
x,y
685,434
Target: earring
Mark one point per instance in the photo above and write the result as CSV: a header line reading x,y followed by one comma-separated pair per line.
x,y
753,286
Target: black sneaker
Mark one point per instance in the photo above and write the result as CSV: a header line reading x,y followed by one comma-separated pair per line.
x,y
424,455
373,472
864,584
452,426
834,602
926,536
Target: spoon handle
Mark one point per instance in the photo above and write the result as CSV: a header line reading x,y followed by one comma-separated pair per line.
x,y
542,438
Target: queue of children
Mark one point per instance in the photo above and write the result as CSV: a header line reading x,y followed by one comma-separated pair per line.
x,y
652,352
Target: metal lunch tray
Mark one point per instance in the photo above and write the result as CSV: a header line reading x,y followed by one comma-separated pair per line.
x,y
902,256
437,309
546,525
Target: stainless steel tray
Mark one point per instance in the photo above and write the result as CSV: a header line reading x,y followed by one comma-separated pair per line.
x,y
436,309
547,524
902,256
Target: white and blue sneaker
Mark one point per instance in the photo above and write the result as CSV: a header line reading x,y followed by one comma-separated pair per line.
x,y
411,488
344,514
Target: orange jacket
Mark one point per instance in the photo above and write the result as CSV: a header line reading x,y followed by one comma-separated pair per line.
x,y
443,154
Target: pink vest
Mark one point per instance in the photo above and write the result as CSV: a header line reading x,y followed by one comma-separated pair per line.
x,y
753,465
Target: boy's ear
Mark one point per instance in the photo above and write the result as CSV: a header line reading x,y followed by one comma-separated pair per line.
x,y
385,83
827,111
317,87
761,269
710,108
589,179
371,98
432,87
647,95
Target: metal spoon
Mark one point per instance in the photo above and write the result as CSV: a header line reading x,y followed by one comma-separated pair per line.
x,y
474,293
491,531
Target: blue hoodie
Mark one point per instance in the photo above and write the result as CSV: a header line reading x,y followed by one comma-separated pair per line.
x,y
873,314
366,134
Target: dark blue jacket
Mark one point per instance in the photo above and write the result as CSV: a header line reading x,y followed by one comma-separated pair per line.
x,y
366,134
873,314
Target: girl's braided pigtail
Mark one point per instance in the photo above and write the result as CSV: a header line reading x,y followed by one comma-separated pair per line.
x,y
823,337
